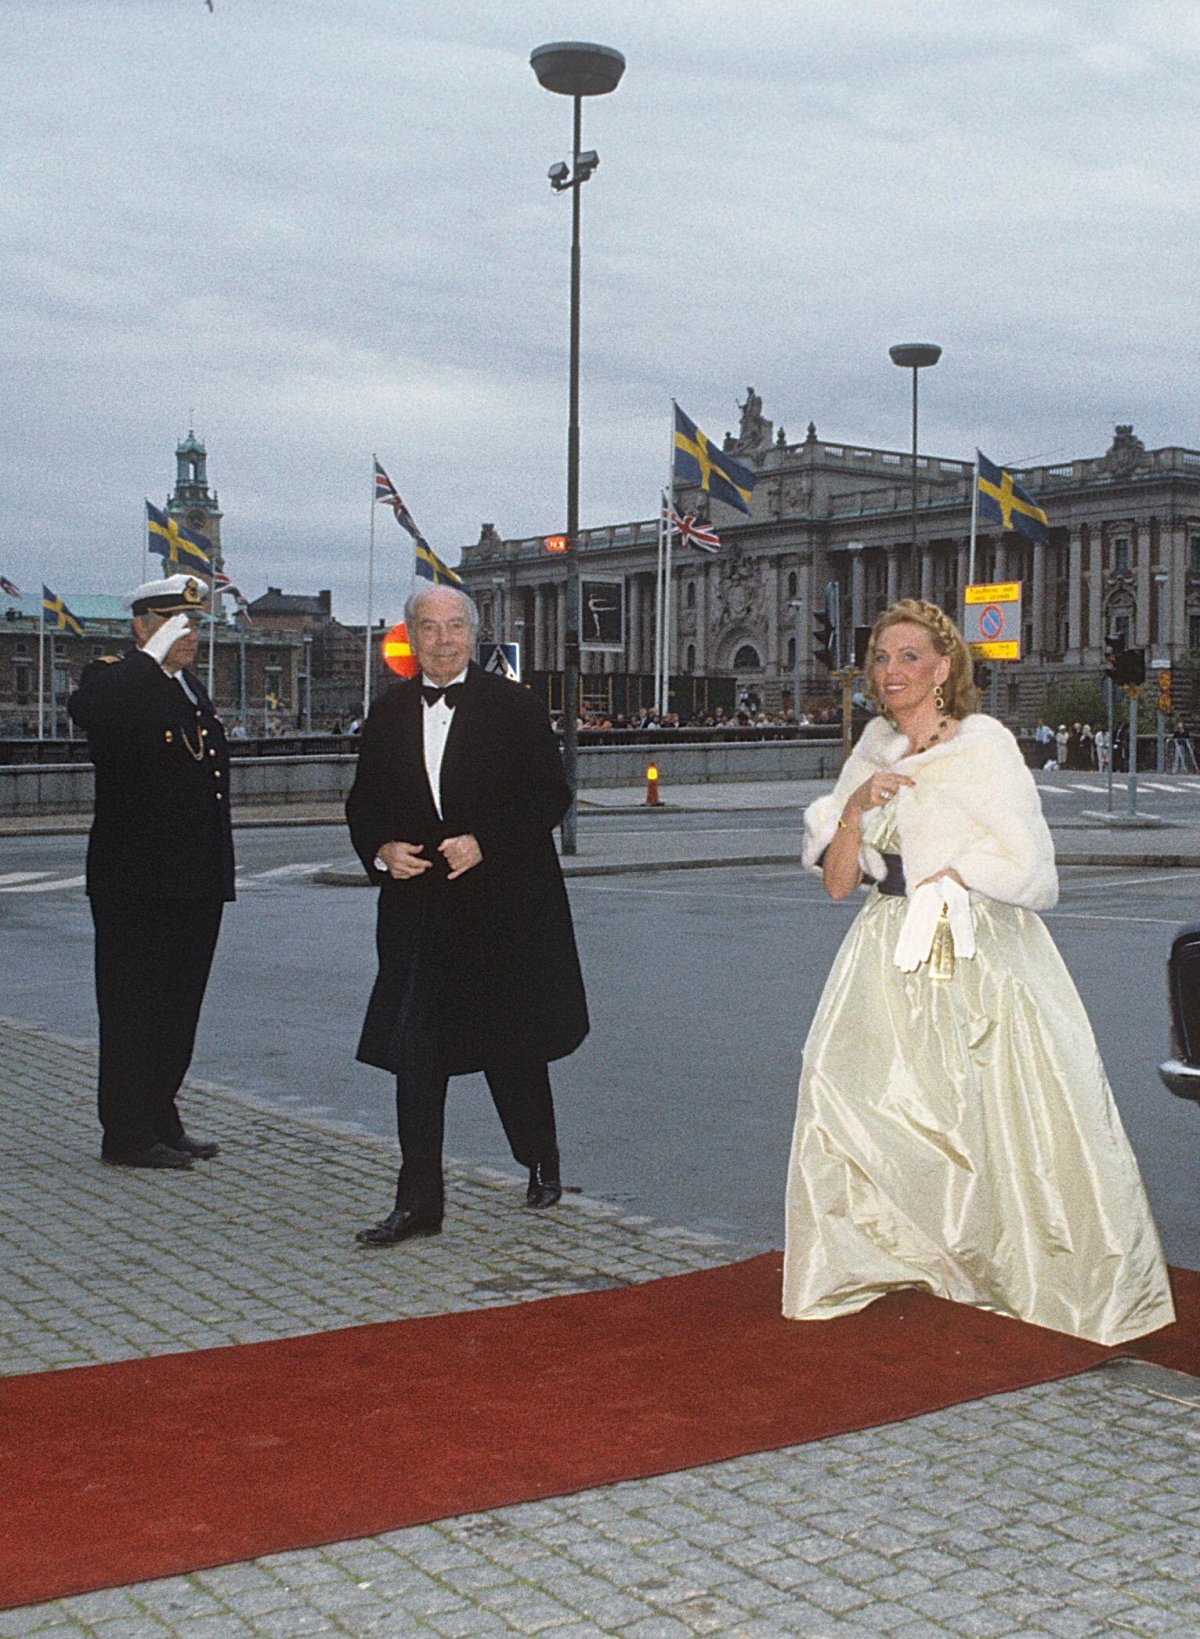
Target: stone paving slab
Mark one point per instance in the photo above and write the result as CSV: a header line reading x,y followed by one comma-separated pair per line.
x,y
1072,1509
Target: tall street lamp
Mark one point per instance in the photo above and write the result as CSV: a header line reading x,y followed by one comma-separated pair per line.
x,y
575,70
914,356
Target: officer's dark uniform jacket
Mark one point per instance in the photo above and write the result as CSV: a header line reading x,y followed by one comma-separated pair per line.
x,y
161,825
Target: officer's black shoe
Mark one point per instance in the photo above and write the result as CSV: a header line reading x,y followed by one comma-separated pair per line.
x,y
160,1157
404,1224
201,1149
545,1185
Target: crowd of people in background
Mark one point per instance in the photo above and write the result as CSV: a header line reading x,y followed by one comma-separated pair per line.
x,y
1079,746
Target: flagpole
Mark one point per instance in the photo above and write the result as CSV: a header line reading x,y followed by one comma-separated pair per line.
x,y
42,668
53,691
665,705
370,591
974,521
212,627
663,525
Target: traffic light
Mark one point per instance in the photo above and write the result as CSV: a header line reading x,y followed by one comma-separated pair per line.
x,y
1164,694
825,641
1114,648
1129,667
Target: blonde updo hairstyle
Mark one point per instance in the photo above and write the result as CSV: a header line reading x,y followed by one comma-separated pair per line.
x,y
958,691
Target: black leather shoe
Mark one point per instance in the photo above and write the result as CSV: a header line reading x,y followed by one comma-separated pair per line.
x,y
200,1149
402,1225
545,1185
161,1157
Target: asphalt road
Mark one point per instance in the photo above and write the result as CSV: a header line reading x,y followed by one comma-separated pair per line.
x,y
702,983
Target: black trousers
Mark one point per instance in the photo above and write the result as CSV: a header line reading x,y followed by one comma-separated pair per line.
x,y
153,958
520,1092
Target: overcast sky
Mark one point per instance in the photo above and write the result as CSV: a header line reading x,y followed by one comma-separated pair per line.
x,y
320,229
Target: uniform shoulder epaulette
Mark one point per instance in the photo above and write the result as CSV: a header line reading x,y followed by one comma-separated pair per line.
x,y
108,659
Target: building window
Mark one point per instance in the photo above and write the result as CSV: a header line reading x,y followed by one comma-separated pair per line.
x,y
1120,552
793,584
1194,554
690,665
746,659
689,597
791,654
23,679
1193,633
1121,627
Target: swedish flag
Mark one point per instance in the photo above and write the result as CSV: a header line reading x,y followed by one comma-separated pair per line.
x,y
431,567
64,620
178,547
709,469
1001,500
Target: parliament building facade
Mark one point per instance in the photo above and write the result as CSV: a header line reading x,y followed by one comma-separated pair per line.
x,y
1123,558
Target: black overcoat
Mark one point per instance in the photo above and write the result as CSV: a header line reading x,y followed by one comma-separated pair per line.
x,y
500,935
161,827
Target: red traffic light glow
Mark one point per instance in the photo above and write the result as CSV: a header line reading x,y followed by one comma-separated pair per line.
x,y
397,652
556,543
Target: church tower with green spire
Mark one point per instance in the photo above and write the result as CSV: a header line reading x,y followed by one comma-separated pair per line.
x,y
193,503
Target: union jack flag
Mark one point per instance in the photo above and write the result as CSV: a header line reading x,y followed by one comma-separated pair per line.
x,y
7,586
692,531
224,584
387,493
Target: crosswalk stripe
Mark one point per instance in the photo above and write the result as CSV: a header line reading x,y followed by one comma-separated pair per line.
x,y
45,887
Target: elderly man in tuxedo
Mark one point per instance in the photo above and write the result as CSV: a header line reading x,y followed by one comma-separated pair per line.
x,y
458,789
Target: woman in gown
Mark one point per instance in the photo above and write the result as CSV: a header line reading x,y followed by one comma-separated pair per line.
x,y
955,1131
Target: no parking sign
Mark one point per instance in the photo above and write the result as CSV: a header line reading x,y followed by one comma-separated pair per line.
x,y
992,620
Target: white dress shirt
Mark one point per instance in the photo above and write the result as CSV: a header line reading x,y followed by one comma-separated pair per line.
x,y
436,721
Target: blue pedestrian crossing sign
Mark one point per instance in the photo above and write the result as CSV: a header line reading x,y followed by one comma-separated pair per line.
x,y
502,658
992,620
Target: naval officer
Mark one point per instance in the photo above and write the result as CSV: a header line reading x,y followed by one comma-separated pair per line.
x,y
159,869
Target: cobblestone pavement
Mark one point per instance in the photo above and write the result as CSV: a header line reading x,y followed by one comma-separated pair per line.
x,y
1067,1510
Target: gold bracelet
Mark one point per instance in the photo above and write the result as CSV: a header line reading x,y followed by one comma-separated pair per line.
x,y
853,829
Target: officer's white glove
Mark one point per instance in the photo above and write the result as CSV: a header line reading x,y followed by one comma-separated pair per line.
x,y
168,634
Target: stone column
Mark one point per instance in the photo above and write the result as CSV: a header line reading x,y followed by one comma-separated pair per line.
x,y
771,594
1037,597
1076,639
1095,584
1139,545
703,616
539,627
893,575
858,590
560,627
925,553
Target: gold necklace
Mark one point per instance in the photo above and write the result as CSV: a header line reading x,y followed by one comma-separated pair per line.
x,y
943,725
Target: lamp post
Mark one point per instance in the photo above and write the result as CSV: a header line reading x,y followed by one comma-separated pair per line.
x,y
576,70
914,356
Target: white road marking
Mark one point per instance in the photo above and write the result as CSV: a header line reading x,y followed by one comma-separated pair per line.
x,y
46,887
296,869
22,876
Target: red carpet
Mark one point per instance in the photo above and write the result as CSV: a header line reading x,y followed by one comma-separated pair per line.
x,y
117,1474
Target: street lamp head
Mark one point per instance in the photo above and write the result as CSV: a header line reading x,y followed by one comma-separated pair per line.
x,y
914,355
576,69
558,175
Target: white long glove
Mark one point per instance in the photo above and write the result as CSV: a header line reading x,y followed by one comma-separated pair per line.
x,y
159,645
920,924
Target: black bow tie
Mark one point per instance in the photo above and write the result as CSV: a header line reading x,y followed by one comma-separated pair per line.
x,y
450,694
